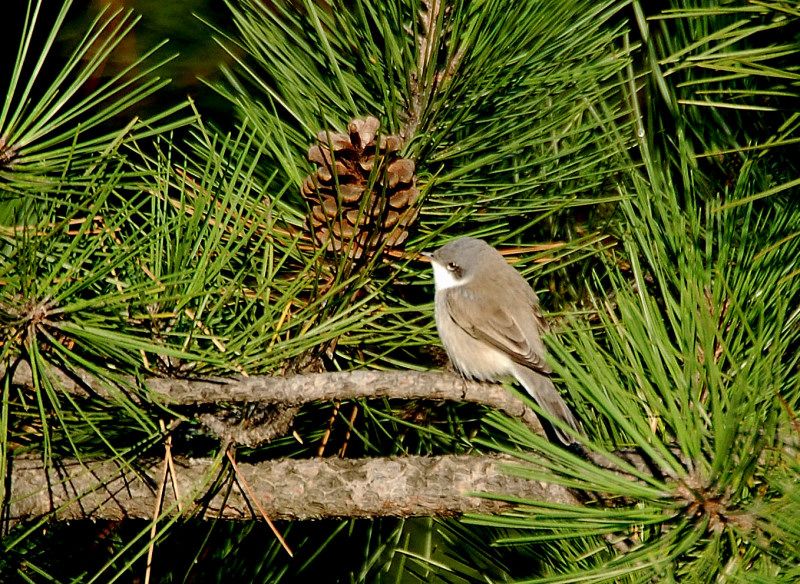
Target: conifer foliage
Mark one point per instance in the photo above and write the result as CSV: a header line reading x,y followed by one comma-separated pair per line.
x,y
636,161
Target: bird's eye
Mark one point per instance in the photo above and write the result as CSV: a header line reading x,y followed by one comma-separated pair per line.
x,y
452,266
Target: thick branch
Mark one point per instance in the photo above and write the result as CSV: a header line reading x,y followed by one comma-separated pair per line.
x,y
300,389
296,390
286,488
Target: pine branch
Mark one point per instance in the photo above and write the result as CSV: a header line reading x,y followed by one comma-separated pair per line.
x,y
286,488
293,391
300,389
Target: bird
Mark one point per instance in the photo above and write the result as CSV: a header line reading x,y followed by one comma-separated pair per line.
x,y
490,324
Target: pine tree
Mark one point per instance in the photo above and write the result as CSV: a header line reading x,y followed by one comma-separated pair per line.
x,y
637,164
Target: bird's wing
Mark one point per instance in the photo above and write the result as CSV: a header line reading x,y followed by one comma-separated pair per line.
x,y
517,335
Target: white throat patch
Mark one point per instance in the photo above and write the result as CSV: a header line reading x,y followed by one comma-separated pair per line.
x,y
444,279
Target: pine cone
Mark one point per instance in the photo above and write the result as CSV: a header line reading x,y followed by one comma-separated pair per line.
x,y
362,193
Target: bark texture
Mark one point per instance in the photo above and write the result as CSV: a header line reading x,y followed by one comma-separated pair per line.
x,y
288,488
285,488
296,390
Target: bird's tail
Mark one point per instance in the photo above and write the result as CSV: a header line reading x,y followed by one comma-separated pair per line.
x,y
542,390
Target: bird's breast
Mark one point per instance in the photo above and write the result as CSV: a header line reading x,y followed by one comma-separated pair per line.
x,y
472,357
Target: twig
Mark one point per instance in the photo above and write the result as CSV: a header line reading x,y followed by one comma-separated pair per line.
x,y
159,499
353,416
324,442
254,499
170,461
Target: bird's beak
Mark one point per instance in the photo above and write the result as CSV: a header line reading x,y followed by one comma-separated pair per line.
x,y
426,256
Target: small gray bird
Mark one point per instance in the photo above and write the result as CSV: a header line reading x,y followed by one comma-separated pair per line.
x,y
489,321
